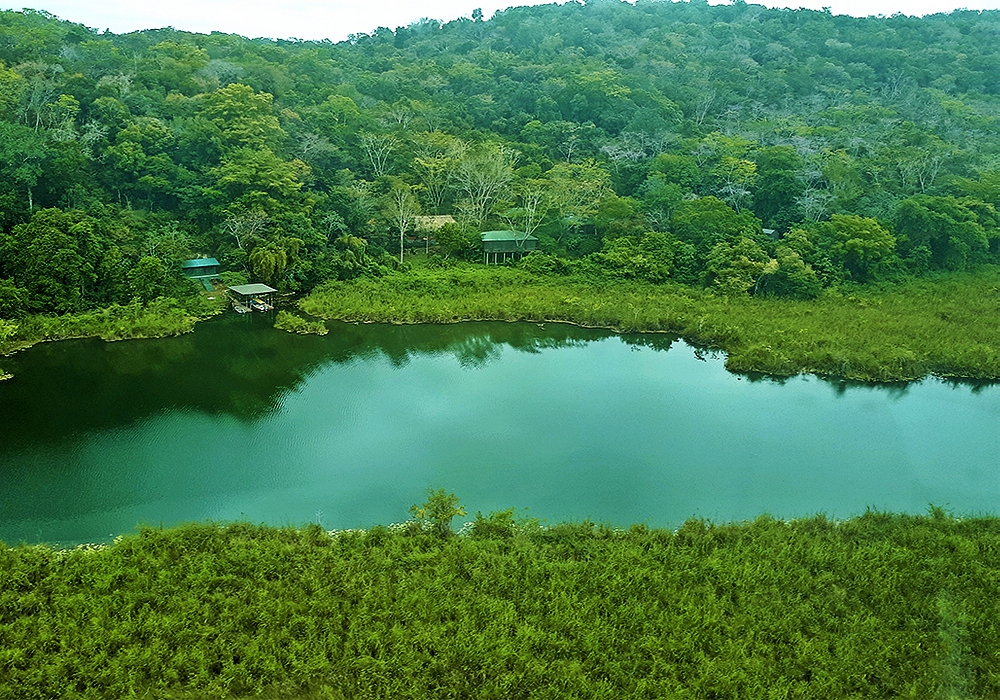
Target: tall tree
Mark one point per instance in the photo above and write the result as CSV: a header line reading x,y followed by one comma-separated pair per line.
x,y
484,175
401,209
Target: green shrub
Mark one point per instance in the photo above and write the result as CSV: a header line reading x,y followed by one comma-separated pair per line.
x,y
296,324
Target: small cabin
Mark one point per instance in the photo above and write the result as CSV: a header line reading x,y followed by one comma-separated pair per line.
x,y
500,246
200,268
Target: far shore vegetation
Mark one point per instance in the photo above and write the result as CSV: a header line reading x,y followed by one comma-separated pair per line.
x,y
159,318
743,176
876,606
947,325
944,325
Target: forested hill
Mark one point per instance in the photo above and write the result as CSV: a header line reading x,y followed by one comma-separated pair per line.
x,y
657,139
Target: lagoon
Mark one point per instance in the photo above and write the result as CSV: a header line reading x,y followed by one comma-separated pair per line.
x,y
239,421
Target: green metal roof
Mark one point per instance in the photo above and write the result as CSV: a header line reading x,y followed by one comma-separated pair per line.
x,y
506,236
245,290
200,262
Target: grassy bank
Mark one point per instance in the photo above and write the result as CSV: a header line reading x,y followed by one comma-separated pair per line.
x,y
292,323
158,319
879,606
948,325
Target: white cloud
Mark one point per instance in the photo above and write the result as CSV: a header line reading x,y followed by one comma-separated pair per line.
x,y
866,8
304,19
336,19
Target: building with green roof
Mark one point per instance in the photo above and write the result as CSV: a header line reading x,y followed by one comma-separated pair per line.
x,y
198,268
201,269
500,246
256,297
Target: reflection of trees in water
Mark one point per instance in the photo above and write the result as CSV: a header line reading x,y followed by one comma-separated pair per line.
x,y
895,390
235,366
654,341
474,345
475,352
276,362
243,368
754,377
976,385
139,358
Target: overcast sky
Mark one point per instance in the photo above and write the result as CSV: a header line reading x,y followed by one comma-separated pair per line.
x,y
335,19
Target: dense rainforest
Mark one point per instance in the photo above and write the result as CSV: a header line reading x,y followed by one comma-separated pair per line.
x,y
739,148
742,175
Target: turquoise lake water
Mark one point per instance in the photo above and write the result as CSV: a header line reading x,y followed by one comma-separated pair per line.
x,y
240,421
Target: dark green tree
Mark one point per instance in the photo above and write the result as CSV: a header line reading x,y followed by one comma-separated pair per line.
x,y
951,233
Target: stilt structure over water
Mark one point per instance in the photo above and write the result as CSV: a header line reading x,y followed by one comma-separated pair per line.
x,y
252,297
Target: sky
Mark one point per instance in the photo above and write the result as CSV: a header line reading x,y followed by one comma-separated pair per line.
x,y
336,19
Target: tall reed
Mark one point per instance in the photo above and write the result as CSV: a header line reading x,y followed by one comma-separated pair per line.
x,y
873,607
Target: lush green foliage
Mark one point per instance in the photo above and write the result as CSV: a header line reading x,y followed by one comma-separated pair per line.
x,y
944,325
878,606
160,318
296,324
594,126
437,512
165,316
647,147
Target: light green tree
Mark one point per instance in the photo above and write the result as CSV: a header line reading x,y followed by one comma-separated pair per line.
x,y
437,159
268,261
575,191
858,244
483,176
437,512
147,278
401,208
787,275
708,221
239,117
734,268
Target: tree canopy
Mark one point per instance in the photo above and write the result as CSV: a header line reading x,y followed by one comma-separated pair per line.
x,y
584,123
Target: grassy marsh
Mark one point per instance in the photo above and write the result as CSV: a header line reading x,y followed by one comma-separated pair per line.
x,y
946,325
877,606
160,318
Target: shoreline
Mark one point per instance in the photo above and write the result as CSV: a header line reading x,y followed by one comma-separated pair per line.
x,y
517,526
162,318
937,327
928,327
689,341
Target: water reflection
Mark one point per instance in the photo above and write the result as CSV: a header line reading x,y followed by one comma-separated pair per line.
x,y
241,367
241,421
895,390
232,365
474,345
